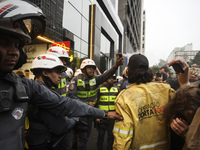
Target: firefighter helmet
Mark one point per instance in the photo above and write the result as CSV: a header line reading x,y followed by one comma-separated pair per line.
x,y
87,62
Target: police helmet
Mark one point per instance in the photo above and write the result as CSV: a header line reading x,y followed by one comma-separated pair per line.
x,y
22,20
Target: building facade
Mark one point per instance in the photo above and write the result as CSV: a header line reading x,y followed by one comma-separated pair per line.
x,y
131,15
91,27
186,52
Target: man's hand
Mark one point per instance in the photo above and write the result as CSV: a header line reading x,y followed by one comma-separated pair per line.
x,y
179,126
91,104
118,61
183,78
114,115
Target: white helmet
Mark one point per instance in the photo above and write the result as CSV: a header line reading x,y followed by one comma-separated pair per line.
x,y
47,61
87,62
119,78
77,72
69,72
21,19
58,51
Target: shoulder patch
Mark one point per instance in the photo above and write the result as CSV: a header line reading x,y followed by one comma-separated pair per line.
x,y
72,87
17,113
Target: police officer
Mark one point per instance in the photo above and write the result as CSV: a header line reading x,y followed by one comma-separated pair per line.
x,y
43,125
84,86
107,93
61,89
15,92
64,57
123,84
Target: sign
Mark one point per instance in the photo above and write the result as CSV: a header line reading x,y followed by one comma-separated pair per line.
x,y
63,44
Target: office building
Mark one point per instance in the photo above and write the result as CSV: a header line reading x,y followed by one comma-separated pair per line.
x,y
131,14
92,29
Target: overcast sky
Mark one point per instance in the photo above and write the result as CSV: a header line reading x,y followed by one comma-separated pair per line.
x,y
170,24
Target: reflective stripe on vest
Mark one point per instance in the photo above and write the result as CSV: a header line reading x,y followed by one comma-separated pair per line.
x,y
86,94
123,132
152,145
107,98
61,87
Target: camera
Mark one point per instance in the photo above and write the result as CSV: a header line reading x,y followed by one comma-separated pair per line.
x,y
177,67
120,55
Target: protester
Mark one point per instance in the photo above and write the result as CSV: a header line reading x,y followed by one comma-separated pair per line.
x,y
177,142
83,86
17,92
181,111
165,69
161,77
123,84
141,106
106,95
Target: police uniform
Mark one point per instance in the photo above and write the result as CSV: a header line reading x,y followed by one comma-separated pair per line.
x,y
106,98
62,90
13,116
85,90
46,127
62,86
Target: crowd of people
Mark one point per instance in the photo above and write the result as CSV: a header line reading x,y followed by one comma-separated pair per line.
x,y
137,110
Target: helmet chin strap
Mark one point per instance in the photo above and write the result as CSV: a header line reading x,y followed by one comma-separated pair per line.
x,y
49,82
22,57
84,71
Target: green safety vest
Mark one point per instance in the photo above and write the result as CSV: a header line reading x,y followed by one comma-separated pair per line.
x,y
61,87
107,98
86,94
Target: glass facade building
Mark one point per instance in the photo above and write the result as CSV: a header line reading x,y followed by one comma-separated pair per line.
x,y
93,28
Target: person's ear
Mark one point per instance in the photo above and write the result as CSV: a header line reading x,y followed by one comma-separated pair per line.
x,y
44,73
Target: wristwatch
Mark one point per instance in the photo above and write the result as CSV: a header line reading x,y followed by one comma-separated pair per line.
x,y
106,114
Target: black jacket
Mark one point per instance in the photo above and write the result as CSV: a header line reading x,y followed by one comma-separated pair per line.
x,y
13,120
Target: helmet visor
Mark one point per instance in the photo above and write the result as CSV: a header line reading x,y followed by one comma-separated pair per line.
x,y
34,27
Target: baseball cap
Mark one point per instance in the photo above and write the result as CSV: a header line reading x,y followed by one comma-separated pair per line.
x,y
138,61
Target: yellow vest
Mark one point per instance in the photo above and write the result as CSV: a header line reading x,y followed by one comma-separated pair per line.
x,y
143,126
107,98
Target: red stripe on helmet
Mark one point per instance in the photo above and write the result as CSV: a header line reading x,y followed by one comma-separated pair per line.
x,y
5,8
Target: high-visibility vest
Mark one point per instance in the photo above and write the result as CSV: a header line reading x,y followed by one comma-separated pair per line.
x,y
62,86
87,93
107,98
